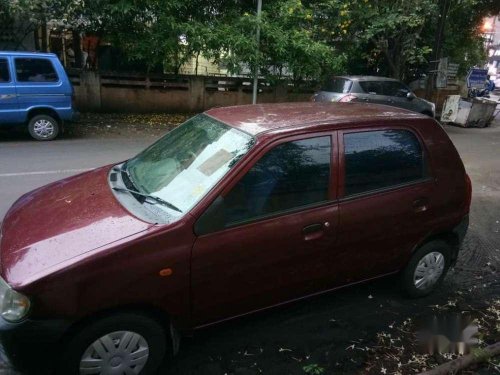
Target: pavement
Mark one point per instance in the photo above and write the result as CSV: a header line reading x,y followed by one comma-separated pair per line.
x,y
315,332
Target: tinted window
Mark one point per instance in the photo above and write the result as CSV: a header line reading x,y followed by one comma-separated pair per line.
x,y
337,85
291,175
395,89
372,87
35,70
379,159
4,71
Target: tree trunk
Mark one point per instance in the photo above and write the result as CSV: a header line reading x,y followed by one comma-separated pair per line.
x,y
444,7
45,47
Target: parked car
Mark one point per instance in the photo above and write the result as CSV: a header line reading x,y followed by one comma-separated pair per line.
x,y
35,92
237,210
377,90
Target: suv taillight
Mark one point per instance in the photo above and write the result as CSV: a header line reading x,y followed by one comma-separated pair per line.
x,y
347,98
468,198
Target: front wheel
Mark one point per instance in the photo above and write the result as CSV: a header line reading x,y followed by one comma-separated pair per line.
x,y
126,343
427,268
43,127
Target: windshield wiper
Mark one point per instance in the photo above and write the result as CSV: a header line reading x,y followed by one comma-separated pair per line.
x,y
147,196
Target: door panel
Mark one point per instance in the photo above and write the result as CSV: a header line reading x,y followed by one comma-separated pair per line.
x,y
9,108
278,233
387,202
261,264
378,232
39,84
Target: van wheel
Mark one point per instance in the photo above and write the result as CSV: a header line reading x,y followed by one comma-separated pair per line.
x,y
43,127
427,269
125,343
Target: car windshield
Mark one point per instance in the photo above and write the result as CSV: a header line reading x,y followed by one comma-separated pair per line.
x,y
186,163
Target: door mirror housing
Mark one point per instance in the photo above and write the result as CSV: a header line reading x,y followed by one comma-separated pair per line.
x,y
213,219
410,95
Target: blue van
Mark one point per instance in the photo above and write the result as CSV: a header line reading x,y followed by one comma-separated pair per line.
x,y
35,92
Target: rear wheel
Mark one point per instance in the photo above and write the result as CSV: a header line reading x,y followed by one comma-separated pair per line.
x,y
43,127
427,268
125,343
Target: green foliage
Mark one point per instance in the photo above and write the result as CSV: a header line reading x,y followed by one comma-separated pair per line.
x,y
307,39
313,369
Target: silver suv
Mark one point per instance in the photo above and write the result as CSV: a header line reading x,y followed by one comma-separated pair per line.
x,y
371,89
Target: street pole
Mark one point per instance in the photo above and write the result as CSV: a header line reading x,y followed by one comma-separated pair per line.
x,y
256,70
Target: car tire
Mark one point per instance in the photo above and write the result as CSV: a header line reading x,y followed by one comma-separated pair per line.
x,y
43,127
426,269
122,340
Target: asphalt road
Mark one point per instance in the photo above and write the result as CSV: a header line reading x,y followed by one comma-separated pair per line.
x,y
26,165
318,330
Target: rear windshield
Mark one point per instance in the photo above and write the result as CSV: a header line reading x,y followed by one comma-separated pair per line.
x,y
337,84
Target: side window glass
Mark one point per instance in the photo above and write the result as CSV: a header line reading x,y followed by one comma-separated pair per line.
x,y
371,87
380,159
4,71
35,70
395,89
291,175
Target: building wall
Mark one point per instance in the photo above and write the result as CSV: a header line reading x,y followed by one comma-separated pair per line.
x,y
173,94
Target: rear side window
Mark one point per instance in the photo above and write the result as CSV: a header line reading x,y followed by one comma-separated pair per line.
x,y
380,159
4,71
35,70
395,89
337,84
372,87
291,175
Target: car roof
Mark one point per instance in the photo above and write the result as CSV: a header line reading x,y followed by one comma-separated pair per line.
x,y
26,54
367,78
261,118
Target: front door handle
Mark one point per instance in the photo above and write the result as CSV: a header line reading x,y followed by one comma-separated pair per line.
x,y
312,228
314,231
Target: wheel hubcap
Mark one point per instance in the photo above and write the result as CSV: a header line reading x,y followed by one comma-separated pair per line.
x,y
120,352
429,270
43,128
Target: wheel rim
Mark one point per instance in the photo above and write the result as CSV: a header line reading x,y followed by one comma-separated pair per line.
x,y
120,352
429,270
43,128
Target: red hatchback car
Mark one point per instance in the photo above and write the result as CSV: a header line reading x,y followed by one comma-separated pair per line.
x,y
237,210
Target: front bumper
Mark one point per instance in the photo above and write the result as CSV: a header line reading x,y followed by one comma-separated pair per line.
x,y
30,346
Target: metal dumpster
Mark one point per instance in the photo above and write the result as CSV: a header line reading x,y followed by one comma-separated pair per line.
x,y
473,112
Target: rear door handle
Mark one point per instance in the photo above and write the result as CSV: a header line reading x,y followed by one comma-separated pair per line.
x,y
420,204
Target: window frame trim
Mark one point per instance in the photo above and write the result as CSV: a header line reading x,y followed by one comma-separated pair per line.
x,y
342,175
29,83
9,70
263,150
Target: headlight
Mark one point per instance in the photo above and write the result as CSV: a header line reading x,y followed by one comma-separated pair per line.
x,y
13,305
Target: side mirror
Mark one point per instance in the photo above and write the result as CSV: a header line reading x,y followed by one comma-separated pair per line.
x,y
213,219
410,96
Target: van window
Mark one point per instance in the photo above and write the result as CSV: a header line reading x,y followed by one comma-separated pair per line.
x,y
291,175
4,71
380,159
35,70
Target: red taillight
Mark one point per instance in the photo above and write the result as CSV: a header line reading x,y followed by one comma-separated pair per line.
x,y
468,198
347,98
